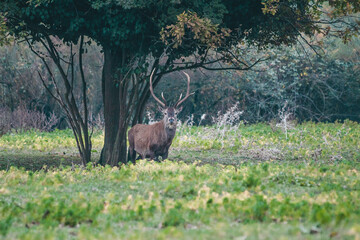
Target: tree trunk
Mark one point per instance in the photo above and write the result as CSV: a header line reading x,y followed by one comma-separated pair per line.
x,y
114,150
139,113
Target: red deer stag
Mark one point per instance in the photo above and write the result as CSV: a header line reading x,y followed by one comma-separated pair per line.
x,y
152,141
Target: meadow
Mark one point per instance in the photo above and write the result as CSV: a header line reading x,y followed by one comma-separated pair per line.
x,y
260,181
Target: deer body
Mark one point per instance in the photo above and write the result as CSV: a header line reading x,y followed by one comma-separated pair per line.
x,y
152,141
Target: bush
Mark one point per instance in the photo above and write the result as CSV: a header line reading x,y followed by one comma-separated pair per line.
x,y
319,89
24,119
291,83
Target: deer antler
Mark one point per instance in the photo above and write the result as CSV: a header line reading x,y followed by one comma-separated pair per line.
x,y
152,92
162,96
188,94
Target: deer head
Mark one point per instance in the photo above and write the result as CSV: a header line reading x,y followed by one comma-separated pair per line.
x,y
170,113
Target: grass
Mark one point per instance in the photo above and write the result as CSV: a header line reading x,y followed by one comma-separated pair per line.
x,y
248,182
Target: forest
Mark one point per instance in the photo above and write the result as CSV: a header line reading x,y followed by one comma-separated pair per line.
x,y
179,119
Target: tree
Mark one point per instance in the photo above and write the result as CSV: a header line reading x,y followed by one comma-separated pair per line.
x,y
137,36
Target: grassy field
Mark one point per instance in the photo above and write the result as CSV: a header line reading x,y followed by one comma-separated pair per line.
x,y
244,182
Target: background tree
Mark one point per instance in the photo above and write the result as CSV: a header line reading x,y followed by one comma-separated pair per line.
x,y
194,34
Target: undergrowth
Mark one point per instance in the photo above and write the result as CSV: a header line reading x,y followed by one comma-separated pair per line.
x,y
247,182
178,200
309,141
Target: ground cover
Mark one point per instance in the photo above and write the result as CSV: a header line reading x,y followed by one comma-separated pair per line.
x,y
243,182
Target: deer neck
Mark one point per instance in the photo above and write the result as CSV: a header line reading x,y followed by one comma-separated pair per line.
x,y
169,132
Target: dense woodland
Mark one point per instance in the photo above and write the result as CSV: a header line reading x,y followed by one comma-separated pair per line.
x,y
306,85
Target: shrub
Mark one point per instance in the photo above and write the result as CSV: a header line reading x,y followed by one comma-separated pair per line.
x,y
24,119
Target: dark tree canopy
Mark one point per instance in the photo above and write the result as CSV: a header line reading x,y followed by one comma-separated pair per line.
x,y
150,34
135,25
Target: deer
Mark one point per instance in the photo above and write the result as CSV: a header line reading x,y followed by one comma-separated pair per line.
x,y
152,141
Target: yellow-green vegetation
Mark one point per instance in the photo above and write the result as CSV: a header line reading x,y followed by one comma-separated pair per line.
x,y
247,182
50,142
329,142
308,141
178,200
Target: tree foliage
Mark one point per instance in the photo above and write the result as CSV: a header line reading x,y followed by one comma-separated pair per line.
x,y
136,25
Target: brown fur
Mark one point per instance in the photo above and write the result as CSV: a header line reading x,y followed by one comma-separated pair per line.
x,y
150,141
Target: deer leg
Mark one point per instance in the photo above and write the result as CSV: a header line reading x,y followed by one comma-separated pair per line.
x,y
154,157
131,155
132,152
165,155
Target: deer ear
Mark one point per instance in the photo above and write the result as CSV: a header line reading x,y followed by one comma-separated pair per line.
x,y
179,109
